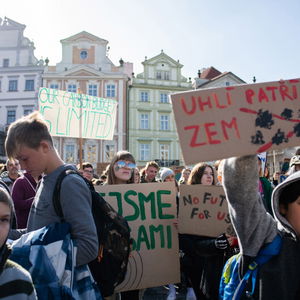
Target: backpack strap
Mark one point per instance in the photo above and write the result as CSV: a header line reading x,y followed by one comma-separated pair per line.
x,y
56,192
264,255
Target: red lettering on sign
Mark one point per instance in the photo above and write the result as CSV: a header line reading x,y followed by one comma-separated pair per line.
x,y
272,89
207,134
283,89
210,133
214,200
221,216
193,142
196,200
262,96
184,107
203,103
225,125
249,95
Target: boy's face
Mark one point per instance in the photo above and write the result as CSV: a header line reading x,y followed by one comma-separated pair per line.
x,y
32,160
4,222
88,173
292,214
151,172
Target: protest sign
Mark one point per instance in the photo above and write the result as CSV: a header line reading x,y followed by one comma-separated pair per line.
x,y
150,210
203,211
237,120
66,112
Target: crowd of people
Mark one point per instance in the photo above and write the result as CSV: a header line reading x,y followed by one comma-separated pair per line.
x,y
257,205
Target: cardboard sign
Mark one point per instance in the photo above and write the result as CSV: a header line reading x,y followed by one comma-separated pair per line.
x,y
203,210
150,210
238,120
67,112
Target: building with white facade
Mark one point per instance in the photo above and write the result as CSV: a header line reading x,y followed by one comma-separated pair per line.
x,y
85,65
20,75
152,129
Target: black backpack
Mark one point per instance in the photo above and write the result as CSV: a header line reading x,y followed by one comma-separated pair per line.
x,y
109,268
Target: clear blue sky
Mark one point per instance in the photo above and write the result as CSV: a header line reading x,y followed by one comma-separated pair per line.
x,y
249,38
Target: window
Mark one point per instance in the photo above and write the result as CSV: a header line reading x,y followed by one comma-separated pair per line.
x,y
13,85
164,122
27,111
54,86
227,83
11,116
163,75
164,98
72,88
111,90
92,90
69,153
29,85
144,96
109,152
144,121
83,54
145,152
91,153
5,63
164,151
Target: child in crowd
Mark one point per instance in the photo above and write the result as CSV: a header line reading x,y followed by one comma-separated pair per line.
x,y
121,171
15,282
278,278
28,140
204,256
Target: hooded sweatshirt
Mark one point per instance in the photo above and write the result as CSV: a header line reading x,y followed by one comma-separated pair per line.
x,y
279,278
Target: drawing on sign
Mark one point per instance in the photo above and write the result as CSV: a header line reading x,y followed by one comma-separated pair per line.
x,y
265,120
134,274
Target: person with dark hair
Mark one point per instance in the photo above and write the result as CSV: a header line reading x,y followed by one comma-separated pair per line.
x,y
15,281
87,170
278,278
204,257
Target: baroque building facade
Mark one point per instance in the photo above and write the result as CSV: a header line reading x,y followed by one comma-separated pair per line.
x,y
85,65
152,129
20,76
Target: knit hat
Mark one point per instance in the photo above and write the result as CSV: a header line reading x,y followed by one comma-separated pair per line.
x,y
295,160
165,172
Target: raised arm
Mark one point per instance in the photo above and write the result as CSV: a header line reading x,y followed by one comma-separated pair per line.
x,y
253,225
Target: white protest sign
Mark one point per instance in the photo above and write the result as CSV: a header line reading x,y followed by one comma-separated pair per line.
x,y
65,112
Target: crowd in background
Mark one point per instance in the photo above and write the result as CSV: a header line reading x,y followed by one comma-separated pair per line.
x,y
202,258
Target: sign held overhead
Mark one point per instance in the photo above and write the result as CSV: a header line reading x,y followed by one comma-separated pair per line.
x,y
237,120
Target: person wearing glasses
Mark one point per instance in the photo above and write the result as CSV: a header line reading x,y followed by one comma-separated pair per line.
x,y
87,170
121,171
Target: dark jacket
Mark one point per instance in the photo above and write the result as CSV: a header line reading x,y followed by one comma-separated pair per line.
x,y
23,193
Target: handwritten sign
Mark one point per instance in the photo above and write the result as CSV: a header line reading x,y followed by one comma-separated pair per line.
x,y
203,210
238,120
150,210
65,112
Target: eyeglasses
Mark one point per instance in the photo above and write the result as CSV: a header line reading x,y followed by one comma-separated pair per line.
x,y
88,171
122,164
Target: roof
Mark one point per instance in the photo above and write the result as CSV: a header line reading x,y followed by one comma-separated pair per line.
x,y
210,73
83,34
